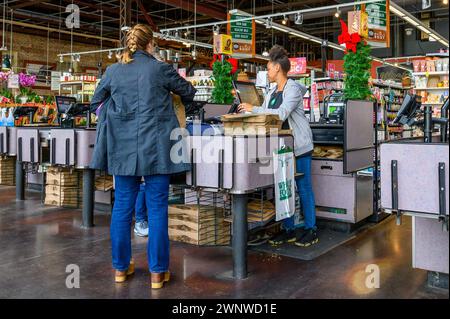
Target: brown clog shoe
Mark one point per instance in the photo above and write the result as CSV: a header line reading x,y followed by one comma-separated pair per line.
x,y
121,276
158,279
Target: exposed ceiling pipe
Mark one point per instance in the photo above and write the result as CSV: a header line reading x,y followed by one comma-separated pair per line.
x,y
38,27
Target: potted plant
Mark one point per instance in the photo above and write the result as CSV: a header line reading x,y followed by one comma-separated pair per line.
x,y
26,82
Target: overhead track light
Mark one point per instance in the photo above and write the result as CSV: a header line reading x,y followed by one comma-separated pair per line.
x,y
269,23
110,55
338,13
285,20
298,18
216,29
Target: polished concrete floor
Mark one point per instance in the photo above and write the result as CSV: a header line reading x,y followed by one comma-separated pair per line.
x,y
37,243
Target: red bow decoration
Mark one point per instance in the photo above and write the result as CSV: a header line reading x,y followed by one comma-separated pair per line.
x,y
234,62
351,40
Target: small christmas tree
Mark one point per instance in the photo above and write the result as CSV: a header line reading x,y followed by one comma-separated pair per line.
x,y
357,65
223,71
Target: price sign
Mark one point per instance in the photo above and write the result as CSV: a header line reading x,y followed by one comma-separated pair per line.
x,y
298,66
13,81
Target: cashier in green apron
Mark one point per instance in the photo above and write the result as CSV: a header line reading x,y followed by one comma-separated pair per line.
x,y
286,101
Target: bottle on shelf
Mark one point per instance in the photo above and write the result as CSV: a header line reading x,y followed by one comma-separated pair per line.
x,y
10,119
3,118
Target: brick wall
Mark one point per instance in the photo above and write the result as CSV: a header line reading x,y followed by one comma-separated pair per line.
x,y
28,47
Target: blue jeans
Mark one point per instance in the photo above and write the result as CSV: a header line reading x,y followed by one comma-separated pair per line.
x,y
304,186
157,202
141,207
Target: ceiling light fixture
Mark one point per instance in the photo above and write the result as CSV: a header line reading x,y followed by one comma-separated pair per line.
x,y
338,13
265,53
285,20
269,23
110,55
298,19
216,29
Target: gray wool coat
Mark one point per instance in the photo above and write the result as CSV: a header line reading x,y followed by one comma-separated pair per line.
x,y
137,117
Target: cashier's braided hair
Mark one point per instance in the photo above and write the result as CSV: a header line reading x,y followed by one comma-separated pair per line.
x,y
138,38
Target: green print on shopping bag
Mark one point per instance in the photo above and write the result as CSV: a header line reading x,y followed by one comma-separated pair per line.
x,y
284,176
285,189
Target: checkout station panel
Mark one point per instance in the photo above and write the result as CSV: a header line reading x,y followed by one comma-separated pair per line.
x,y
344,147
239,164
67,145
415,182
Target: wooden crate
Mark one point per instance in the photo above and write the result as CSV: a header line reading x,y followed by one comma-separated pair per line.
x,y
198,225
104,183
258,212
63,196
63,177
8,171
64,187
251,124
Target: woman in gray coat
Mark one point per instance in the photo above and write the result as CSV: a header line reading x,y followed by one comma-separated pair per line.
x,y
135,138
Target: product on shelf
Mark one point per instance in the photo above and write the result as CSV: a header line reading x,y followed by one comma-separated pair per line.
x,y
431,65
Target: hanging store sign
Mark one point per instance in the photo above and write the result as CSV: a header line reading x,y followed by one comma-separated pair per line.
x,y
56,80
13,81
378,22
223,44
298,66
243,35
358,23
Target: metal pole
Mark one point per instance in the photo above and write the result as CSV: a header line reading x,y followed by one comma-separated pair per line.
x,y
20,181
240,228
428,129
88,198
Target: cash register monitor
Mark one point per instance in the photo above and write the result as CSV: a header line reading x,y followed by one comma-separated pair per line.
x,y
68,105
216,110
63,103
247,93
408,110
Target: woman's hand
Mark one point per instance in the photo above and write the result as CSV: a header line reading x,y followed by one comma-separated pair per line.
x,y
245,107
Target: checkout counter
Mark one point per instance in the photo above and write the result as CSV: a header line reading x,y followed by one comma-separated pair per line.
x,y
415,182
66,146
235,165
343,192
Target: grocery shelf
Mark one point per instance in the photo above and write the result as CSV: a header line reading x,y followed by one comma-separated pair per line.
x,y
433,104
432,88
397,86
430,73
